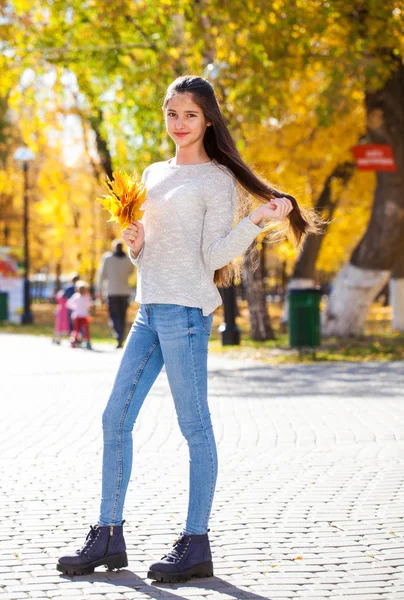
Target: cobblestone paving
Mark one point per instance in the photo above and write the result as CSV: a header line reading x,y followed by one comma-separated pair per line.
x,y
309,501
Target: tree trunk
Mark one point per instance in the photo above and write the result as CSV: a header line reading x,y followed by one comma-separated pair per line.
x,y
396,287
305,267
260,324
373,259
96,121
326,204
58,284
353,291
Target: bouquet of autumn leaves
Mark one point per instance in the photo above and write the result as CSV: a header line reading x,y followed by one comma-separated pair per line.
x,y
126,195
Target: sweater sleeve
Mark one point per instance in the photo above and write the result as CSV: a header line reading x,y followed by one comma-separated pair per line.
x,y
136,261
220,243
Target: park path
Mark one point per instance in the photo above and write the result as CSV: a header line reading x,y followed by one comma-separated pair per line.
x,y
310,497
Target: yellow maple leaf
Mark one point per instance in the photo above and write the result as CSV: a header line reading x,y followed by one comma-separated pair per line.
x,y
126,196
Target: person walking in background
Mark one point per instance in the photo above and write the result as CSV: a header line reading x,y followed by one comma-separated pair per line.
x,y
183,249
115,269
80,304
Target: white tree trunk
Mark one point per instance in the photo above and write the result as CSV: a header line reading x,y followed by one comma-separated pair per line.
x,y
353,291
397,303
297,283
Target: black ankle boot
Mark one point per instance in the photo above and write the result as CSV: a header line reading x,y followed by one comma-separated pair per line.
x,y
103,546
190,557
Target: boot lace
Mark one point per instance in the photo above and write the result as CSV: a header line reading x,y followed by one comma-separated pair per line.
x,y
180,546
89,541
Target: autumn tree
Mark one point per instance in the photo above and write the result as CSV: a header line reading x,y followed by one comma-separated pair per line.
x,y
354,53
374,257
261,67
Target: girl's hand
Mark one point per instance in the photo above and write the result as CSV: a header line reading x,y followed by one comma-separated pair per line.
x,y
134,237
277,210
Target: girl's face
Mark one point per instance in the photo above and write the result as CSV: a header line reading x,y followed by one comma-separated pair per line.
x,y
185,121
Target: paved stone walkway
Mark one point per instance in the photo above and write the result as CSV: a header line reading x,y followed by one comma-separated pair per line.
x,y
309,503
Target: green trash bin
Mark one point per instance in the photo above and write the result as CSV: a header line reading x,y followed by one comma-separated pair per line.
x,y
3,306
304,318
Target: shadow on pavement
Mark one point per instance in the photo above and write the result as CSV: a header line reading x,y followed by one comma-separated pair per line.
x,y
129,579
324,379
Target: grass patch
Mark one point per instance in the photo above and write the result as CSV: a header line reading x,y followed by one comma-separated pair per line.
x,y
333,350
44,323
378,344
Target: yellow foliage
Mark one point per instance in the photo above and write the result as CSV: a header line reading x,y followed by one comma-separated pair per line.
x,y
127,194
297,156
259,75
349,222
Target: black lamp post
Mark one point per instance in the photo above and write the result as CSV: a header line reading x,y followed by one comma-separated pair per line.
x,y
24,155
229,330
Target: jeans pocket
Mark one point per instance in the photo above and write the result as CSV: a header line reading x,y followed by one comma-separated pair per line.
x,y
206,321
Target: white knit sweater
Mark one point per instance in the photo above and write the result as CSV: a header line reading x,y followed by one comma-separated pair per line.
x,y
188,220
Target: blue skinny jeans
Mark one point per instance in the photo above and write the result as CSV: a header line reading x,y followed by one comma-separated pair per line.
x,y
177,337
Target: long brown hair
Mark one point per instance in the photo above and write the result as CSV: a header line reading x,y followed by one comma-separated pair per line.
x,y
220,147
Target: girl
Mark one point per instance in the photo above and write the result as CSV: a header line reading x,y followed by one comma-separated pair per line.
x,y
80,304
182,250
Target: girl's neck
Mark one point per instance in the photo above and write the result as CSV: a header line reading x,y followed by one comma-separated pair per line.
x,y
189,156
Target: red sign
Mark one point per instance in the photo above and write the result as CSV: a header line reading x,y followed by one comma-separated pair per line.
x,y
374,157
